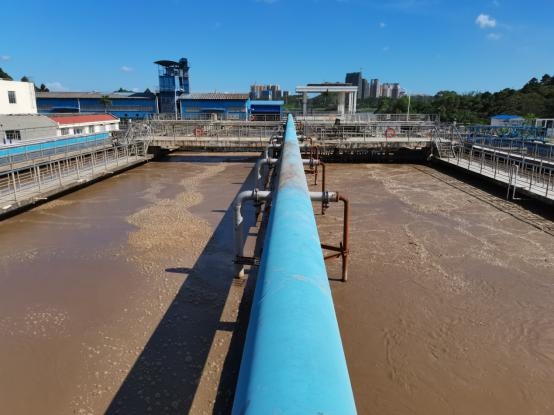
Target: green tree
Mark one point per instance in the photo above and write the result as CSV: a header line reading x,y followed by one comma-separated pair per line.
x,y
106,102
4,75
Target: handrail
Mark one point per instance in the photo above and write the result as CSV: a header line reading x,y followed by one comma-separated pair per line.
x,y
293,360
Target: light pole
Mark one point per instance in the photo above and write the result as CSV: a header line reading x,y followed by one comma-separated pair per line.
x,y
409,100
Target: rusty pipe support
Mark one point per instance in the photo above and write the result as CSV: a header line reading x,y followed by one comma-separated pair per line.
x,y
342,250
345,235
323,173
257,196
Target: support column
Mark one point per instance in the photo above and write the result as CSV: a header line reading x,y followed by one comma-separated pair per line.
x,y
304,103
340,105
350,103
354,108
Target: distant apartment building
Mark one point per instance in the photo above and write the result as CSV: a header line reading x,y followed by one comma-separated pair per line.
x,y
365,89
266,92
356,79
386,90
395,91
374,88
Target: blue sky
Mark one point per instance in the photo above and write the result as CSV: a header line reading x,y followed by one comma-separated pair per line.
x,y
426,45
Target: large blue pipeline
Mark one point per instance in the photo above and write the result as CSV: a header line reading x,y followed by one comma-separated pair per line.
x,y
293,360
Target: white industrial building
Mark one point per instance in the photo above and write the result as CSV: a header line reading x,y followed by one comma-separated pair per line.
x,y
17,97
71,124
19,120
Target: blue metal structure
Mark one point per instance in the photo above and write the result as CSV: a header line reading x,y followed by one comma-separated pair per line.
x,y
488,132
174,81
124,106
265,110
233,106
293,360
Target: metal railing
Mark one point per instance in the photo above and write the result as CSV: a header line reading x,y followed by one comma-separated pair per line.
x,y
519,162
22,184
28,150
196,129
357,128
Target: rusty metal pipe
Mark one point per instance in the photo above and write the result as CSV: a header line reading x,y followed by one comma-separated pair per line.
x,y
323,174
345,236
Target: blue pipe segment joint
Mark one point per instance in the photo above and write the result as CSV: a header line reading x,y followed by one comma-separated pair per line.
x,y
293,361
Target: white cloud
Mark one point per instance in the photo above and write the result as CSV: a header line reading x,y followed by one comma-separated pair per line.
x,y
382,25
494,36
126,68
55,86
5,58
485,21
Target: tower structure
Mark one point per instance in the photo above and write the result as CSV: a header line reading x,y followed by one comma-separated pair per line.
x,y
174,81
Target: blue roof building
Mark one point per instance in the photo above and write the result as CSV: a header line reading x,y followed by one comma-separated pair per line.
x,y
123,105
228,106
266,110
216,105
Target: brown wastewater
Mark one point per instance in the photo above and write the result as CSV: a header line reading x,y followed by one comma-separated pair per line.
x,y
120,297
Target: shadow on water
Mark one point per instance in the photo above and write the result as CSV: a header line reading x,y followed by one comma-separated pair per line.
x,y
166,376
179,270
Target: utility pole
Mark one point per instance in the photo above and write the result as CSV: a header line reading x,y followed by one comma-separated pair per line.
x,y
408,114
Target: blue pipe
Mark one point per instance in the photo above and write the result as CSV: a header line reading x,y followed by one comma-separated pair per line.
x,y
293,360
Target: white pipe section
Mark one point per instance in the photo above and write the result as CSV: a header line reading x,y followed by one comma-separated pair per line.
x,y
327,196
272,161
255,195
